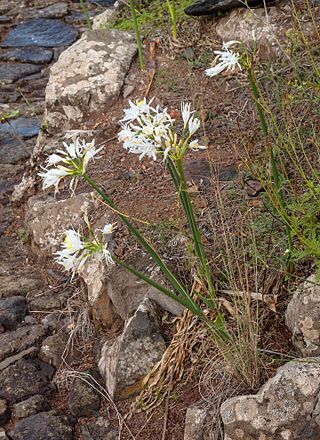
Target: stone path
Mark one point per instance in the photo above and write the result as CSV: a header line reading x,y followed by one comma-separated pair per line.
x,y
33,35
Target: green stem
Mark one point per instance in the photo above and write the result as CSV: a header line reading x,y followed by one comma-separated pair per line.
x,y
172,11
181,186
86,14
187,301
148,248
137,31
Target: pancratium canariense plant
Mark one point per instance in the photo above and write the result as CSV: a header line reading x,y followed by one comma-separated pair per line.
x,y
148,132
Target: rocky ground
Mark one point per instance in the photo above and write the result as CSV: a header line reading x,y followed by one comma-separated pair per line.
x,y
69,349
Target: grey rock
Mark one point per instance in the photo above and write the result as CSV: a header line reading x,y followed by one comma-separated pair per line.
x,y
188,53
47,219
127,91
48,301
56,10
20,339
84,401
88,74
107,17
27,353
251,27
24,379
3,434
12,311
18,285
37,55
303,317
41,32
5,412
198,424
31,406
5,19
12,150
99,429
126,360
209,7
12,71
55,321
286,407
43,426
53,349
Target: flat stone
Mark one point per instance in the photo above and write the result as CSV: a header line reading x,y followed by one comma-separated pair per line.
x,y
5,412
57,10
20,339
209,7
41,32
24,127
286,406
99,429
48,301
53,349
86,76
106,18
28,353
43,426
12,150
13,71
12,311
125,361
36,55
31,406
24,379
46,220
5,19
84,401
18,285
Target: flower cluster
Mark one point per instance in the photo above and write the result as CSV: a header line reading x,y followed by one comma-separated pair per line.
x,y
72,161
226,59
148,130
76,248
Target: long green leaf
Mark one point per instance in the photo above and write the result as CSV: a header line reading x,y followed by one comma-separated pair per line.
x,y
185,301
148,248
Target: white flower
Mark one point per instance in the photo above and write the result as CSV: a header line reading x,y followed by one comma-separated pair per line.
x,y
68,261
107,229
107,256
186,112
193,125
72,242
136,109
228,60
72,161
53,176
195,146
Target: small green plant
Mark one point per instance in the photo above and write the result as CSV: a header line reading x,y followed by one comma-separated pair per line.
x,y
86,14
6,116
172,11
137,32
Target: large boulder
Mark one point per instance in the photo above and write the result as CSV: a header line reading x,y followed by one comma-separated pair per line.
x,y
285,408
303,317
87,75
251,26
114,291
48,219
126,360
